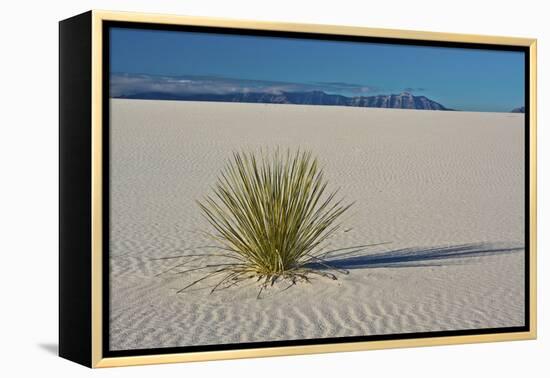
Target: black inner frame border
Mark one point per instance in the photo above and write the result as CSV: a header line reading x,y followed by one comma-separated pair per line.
x,y
106,25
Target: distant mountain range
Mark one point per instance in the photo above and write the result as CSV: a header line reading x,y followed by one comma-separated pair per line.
x,y
404,100
521,109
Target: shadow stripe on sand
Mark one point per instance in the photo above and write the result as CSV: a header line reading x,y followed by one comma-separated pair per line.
x,y
358,257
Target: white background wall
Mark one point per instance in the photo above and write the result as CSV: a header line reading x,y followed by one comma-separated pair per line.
x,y
28,207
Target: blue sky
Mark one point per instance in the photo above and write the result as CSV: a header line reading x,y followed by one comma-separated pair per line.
x,y
463,79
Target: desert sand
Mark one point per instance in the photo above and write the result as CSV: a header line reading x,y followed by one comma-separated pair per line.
x,y
435,240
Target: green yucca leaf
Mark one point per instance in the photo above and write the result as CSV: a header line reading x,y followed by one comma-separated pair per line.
x,y
273,213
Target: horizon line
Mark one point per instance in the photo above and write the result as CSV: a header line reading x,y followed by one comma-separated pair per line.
x,y
128,85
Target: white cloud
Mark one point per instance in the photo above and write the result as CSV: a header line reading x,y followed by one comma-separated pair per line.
x,y
131,84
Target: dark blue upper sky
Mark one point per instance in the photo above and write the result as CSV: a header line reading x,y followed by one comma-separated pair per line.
x,y
463,79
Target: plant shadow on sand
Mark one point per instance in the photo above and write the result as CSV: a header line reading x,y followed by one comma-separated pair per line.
x,y
355,257
345,260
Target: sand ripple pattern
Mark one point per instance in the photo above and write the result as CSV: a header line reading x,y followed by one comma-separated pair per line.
x,y
437,230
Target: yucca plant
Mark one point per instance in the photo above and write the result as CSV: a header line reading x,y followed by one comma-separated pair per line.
x,y
271,214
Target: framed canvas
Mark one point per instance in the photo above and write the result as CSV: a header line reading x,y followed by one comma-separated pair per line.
x,y
235,189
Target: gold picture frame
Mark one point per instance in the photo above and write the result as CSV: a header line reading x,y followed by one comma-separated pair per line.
x,y
82,322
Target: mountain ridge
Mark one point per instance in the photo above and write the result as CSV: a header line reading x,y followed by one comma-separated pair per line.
x,y
520,109
404,100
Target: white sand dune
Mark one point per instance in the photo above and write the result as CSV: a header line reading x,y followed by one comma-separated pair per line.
x,y
436,239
